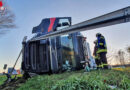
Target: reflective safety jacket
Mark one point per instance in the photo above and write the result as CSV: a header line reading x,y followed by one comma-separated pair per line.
x,y
101,45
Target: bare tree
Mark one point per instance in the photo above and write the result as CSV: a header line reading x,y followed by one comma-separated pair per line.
x,y
7,19
121,57
112,57
128,50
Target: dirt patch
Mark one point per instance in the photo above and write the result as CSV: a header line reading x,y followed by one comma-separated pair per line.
x,y
13,85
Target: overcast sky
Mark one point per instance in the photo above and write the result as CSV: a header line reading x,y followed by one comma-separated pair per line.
x,y
29,13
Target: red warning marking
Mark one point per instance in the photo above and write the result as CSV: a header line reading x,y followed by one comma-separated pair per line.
x,y
1,4
52,21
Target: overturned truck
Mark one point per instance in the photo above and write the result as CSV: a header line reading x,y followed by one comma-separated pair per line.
x,y
58,44
54,54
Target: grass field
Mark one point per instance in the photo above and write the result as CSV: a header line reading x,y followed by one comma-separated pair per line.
x,y
2,79
79,80
127,69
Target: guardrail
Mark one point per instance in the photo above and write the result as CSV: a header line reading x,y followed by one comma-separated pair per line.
x,y
116,17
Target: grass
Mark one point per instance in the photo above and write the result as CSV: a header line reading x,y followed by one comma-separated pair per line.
x,y
101,80
78,80
126,69
2,79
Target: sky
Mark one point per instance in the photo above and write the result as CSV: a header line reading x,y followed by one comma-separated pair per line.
x,y
29,14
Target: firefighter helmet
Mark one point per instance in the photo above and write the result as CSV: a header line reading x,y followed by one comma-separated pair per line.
x,y
98,34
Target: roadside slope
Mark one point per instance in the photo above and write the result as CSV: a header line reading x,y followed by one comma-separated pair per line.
x,y
79,80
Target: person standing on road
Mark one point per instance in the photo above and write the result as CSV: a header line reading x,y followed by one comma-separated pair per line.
x,y
101,50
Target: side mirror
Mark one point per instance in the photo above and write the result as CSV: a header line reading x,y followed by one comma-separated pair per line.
x,y
5,66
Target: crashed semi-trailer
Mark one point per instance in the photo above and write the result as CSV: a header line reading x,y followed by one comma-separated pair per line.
x,y
53,54
58,43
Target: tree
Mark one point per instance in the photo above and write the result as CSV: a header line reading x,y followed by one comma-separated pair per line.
x,y
7,19
121,57
112,57
128,50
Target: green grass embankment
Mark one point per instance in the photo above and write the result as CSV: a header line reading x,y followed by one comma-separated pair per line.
x,y
2,79
100,79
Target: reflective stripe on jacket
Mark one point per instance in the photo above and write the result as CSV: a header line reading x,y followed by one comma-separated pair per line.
x,y
102,65
101,45
97,57
101,50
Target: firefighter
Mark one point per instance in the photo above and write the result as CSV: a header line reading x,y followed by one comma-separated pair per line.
x,y
96,56
101,50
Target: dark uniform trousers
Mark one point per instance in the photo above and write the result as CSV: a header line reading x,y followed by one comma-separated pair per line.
x,y
103,60
98,62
